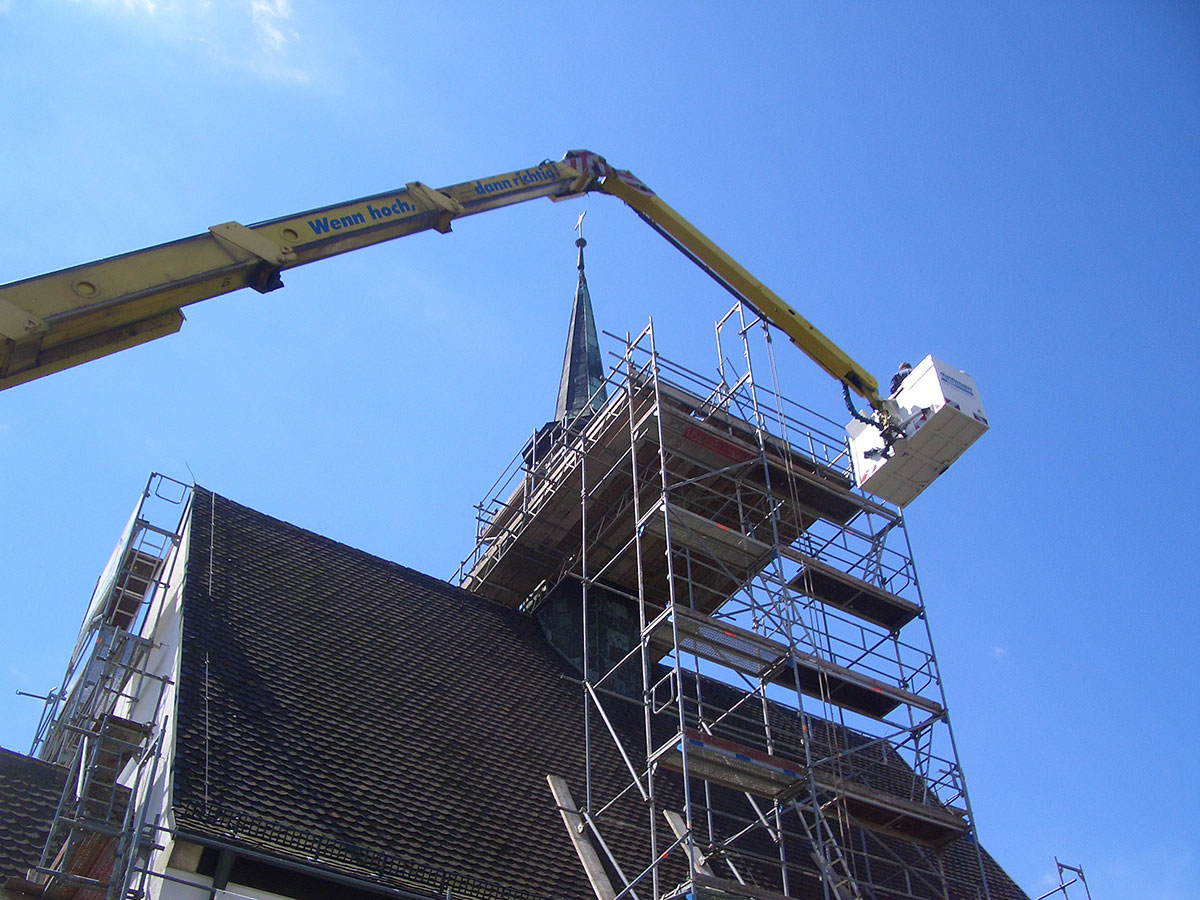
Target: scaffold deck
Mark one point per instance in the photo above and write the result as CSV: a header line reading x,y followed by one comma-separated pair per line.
x,y
716,483
839,589
743,768
762,658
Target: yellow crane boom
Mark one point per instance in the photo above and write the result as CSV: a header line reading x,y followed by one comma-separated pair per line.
x,y
58,320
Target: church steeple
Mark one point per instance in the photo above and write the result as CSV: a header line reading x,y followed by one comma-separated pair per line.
x,y
583,368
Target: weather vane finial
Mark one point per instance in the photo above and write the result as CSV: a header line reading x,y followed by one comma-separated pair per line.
x,y
579,241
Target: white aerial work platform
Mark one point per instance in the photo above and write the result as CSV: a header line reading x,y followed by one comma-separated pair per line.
x,y
940,414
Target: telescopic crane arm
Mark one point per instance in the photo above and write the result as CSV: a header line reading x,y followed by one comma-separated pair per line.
x,y
55,321
727,272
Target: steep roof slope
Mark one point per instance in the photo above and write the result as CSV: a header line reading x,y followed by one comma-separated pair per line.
x,y
342,710
329,697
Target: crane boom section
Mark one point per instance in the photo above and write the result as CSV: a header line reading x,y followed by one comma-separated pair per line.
x,y
64,318
54,321
739,282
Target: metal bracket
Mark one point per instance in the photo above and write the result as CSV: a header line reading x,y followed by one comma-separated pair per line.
x,y
264,277
252,242
430,197
17,323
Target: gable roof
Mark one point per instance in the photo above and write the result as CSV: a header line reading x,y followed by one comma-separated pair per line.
x,y
350,713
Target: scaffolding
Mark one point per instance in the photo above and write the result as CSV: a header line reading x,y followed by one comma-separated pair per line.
x,y
757,651
105,723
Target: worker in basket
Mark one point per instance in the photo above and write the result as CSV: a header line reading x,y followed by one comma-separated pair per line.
x,y
901,374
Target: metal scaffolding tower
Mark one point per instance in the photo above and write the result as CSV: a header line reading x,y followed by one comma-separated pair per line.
x,y
756,647
105,723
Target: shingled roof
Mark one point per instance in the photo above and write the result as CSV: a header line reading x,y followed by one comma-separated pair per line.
x,y
332,698
353,714
29,794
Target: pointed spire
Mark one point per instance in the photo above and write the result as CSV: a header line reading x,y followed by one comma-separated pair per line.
x,y
583,367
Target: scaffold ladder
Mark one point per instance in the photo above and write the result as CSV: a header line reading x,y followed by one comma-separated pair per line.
x,y
827,854
93,810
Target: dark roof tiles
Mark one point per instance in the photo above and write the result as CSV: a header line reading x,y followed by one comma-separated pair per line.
x,y
29,794
338,708
344,695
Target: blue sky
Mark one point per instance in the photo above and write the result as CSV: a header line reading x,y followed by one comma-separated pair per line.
x,y
1012,187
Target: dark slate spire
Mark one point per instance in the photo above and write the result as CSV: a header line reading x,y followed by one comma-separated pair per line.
x,y
583,369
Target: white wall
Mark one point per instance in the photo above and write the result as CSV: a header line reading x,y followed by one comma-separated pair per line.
x,y
164,626
181,885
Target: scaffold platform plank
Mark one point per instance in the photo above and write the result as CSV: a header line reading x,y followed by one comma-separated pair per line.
x,y
715,440
720,642
744,651
730,765
136,578
846,592
118,740
852,690
741,554
710,467
743,768
884,813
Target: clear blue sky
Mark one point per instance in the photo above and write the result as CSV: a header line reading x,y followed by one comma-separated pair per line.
x,y
1012,187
